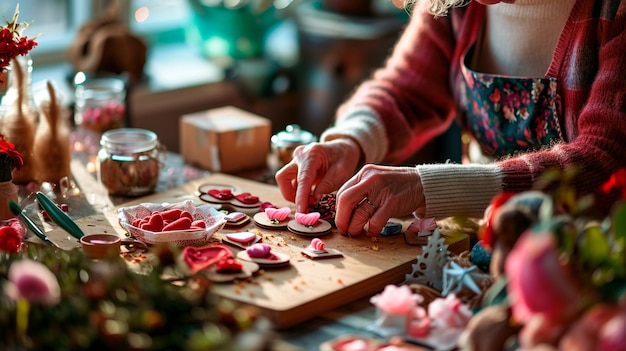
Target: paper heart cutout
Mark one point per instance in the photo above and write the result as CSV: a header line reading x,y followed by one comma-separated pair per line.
x,y
307,219
278,214
422,224
198,258
221,194
247,198
241,237
229,265
318,244
235,216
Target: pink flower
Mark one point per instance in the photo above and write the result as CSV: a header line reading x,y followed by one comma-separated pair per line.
x,y
612,336
449,312
397,300
602,328
538,283
34,282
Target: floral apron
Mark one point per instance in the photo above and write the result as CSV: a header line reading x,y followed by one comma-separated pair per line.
x,y
508,115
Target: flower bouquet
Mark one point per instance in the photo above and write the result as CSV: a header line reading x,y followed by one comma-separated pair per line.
x,y
560,269
13,44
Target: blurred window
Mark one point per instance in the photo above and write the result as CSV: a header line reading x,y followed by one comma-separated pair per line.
x,y
160,21
54,21
57,21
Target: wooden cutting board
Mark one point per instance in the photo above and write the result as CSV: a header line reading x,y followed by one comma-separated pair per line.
x,y
307,288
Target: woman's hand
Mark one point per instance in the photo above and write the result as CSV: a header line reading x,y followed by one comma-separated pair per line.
x,y
317,169
376,194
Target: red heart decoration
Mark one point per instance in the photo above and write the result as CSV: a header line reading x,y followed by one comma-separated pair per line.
x,y
183,223
154,224
198,258
171,214
247,198
198,224
221,194
229,265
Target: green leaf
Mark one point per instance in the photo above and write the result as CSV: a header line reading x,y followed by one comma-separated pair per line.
x,y
595,246
619,222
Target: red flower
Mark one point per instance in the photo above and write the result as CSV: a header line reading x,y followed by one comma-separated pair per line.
x,y
12,43
486,232
9,156
617,180
10,237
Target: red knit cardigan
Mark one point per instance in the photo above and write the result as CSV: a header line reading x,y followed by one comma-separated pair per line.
x,y
415,93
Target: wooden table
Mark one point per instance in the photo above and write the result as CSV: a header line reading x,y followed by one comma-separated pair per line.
x,y
322,293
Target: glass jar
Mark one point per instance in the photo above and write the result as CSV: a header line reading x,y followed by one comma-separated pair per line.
x,y
286,141
100,104
129,162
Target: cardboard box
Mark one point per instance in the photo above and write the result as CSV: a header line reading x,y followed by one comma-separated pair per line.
x,y
225,139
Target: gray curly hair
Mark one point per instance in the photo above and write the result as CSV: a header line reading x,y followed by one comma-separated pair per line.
x,y
437,7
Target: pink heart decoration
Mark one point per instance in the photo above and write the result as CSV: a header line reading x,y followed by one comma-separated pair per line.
x,y
241,237
318,244
259,250
307,219
277,214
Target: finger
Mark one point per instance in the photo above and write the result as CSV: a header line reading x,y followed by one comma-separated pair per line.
x,y
377,222
359,219
307,176
285,179
347,201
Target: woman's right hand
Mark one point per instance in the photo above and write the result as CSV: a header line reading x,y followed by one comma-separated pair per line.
x,y
317,169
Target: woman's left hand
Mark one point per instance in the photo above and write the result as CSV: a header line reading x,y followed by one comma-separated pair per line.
x,y
375,194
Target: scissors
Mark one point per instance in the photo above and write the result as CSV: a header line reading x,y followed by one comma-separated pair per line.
x,y
67,223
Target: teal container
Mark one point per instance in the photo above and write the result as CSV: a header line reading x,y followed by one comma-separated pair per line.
x,y
225,32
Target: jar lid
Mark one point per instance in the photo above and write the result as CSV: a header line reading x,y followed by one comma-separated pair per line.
x,y
127,141
293,135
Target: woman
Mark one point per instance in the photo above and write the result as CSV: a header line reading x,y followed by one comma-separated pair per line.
x,y
539,84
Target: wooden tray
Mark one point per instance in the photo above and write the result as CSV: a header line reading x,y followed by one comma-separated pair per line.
x,y
307,288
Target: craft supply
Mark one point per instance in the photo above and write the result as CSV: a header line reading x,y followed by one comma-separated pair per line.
x,y
317,250
391,228
242,239
309,224
236,219
228,198
273,218
128,161
263,255
17,210
58,216
101,246
131,217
